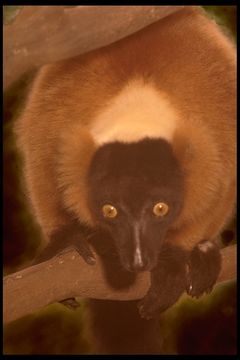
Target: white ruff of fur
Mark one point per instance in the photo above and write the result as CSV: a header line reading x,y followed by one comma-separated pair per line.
x,y
139,111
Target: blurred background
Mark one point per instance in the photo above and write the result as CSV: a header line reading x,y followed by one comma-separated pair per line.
x,y
205,326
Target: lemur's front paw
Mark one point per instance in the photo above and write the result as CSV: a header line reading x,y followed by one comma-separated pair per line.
x,y
168,282
71,235
158,300
84,250
204,267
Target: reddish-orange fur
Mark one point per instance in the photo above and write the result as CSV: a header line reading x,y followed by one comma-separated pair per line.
x,y
189,60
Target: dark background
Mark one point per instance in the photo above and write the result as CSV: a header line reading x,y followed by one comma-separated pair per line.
x,y
205,326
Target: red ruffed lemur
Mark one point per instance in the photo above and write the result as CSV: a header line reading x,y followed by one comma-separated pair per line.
x,y
130,149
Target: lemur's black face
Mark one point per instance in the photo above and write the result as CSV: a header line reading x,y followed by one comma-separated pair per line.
x,y
136,192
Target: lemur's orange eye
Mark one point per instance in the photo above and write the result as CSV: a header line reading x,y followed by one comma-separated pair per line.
x,y
160,209
109,211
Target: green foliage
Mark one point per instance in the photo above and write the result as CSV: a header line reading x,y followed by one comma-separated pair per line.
x,y
52,330
198,326
10,13
21,234
225,16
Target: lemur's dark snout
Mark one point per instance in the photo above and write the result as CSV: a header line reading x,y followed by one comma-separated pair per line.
x,y
139,264
139,267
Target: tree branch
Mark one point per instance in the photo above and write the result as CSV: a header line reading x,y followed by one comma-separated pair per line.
x,y
69,276
43,34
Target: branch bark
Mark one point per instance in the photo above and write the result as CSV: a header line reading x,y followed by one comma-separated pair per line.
x,y
43,34
69,276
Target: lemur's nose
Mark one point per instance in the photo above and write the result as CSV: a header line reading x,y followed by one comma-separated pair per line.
x,y
138,261
138,267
